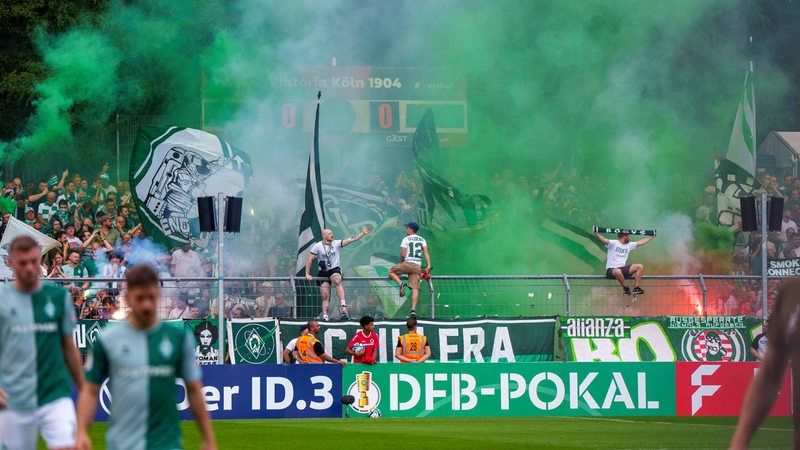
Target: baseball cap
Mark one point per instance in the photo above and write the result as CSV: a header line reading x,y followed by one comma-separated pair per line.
x,y
28,209
413,225
69,224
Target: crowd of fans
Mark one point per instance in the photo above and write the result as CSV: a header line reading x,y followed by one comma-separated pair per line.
x,y
744,298
97,226
99,236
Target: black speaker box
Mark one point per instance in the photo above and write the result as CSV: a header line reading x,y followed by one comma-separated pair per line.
x,y
205,211
775,213
749,217
233,215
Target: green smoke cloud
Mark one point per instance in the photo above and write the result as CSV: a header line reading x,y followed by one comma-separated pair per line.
x,y
83,65
591,111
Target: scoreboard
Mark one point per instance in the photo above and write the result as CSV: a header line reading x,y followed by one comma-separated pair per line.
x,y
384,104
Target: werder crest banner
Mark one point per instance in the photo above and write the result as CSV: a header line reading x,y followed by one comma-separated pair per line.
x,y
671,338
253,341
171,167
480,340
85,334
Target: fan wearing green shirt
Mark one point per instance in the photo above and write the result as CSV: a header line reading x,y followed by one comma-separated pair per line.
x,y
142,358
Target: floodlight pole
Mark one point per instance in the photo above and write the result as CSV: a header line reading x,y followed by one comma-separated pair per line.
x,y
764,278
221,277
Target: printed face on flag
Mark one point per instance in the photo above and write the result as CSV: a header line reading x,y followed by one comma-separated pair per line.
x,y
171,168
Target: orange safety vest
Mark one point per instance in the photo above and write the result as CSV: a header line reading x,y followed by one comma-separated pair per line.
x,y
413,345
305,349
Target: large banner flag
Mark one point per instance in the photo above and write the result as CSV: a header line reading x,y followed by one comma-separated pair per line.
x,y
171,167
479,340
206,335
742,146
312,222
14,229
445,207
581,244
253,341
732,183
659,339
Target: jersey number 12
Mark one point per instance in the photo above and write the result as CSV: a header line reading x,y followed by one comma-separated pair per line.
x,y
414,250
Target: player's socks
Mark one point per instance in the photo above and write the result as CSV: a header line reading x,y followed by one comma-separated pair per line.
x,y
403,288
626,290
638,290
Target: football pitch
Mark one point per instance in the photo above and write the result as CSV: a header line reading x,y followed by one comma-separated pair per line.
x,y
515,432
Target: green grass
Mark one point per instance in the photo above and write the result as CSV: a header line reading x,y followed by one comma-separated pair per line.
x,y
548,433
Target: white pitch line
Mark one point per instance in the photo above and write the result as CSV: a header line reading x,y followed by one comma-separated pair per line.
x,y
608,419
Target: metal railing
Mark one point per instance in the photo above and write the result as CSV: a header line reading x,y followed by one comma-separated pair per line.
x,y
442,297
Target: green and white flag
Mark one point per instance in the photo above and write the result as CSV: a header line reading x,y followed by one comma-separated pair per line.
x,y
732,183
171,167
445,207
312,222
254,341
742,146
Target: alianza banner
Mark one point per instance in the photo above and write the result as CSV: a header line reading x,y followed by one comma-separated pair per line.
x,y
480,340
670,338
253,341
496,390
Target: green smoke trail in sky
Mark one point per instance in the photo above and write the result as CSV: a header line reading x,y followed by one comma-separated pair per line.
x,y
593,111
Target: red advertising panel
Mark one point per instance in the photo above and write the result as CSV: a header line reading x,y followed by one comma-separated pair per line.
x,y
718,389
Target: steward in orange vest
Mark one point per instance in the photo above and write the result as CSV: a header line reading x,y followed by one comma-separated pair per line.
x,y
412,347
309,350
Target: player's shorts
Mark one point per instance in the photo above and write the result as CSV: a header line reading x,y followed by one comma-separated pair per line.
x,y
410,269
328,274
626,271
19,430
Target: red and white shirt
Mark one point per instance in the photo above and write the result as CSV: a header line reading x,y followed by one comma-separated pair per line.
x,y
370,343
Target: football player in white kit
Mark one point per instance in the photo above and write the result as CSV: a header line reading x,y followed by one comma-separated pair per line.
x,y
327,252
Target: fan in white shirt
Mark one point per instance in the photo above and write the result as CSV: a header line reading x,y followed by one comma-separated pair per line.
x,y
616,260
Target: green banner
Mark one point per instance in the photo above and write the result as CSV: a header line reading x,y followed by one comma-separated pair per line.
x,y
493,390
253,341
480,340
670,338
86,332
206,335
